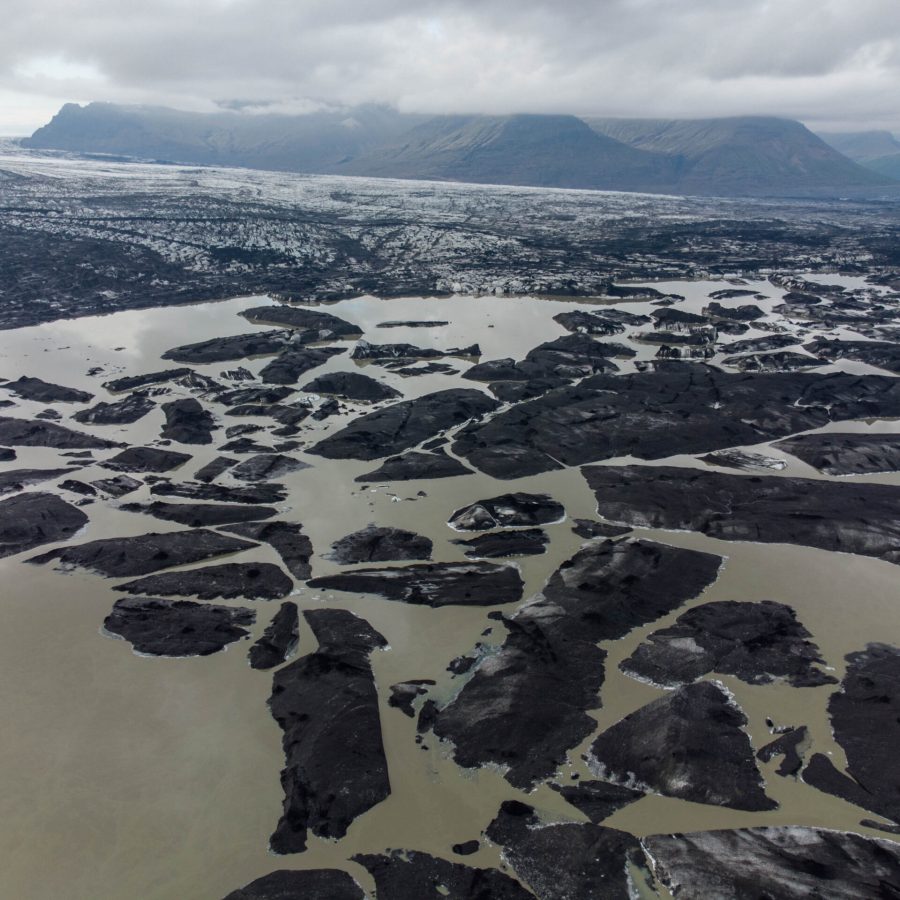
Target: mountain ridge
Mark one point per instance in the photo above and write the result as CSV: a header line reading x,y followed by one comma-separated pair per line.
x,y
740,149
875,150
731,156
541,151
275,141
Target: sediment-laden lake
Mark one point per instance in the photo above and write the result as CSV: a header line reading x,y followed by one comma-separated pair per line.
x,y
151,775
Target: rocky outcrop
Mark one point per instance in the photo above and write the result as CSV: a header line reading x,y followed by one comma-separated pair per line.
x,y
742,459
760,344
278,640
587,528
366,350
45,392
527,704
403,425
517,510
146,459
781,361
327,706
118,485
847,517
502,544
289,365
132,382
256,493
416,465
32,519
286,538
214,468
188,422
177,628
882,354
688,744
25,433
121,557
566,860
380,544
748,312
237,346
122,412
17,479
598,800
846,454
266,466
865,719
301,884
756,642
413,875
309,325
200,515
253,581
352,386
433,584
790,863
692,409
789,746
405,693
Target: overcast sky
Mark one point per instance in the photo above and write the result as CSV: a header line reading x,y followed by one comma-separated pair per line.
x,y
835,64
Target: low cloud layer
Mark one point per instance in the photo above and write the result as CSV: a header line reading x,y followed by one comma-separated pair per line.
x,y
832,63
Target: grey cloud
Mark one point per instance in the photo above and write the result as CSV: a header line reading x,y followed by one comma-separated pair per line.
x,y
820,60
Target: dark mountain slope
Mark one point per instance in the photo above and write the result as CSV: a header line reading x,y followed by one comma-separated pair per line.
x,y
545,151
313,142
876,150
862,145
753,155
888,166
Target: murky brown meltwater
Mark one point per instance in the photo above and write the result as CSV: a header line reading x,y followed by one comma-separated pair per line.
x,y
127,776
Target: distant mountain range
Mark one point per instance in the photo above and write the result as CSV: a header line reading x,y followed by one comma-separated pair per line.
x,y
544,151
314,142
876,150
743,156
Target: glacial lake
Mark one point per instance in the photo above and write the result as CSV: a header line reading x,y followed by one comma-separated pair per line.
x,y
156,778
